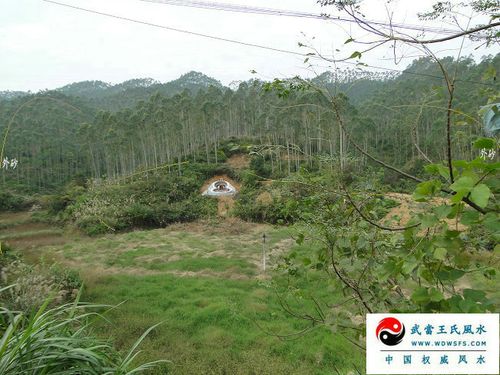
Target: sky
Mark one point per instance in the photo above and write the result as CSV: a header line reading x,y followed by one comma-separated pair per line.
x,y
45,46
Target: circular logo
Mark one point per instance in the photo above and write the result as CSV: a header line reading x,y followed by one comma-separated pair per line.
x,y
390,331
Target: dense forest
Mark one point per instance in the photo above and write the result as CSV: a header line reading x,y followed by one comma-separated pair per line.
x,y
97,130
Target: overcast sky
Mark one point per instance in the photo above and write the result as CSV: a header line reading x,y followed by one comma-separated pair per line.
x,y
44,46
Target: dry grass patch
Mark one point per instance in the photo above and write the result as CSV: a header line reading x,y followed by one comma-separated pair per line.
x,y
238,161
401,214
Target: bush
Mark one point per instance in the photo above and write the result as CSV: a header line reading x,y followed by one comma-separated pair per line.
x,y
67,279
140,215
278,208
7,255
57,203
13,202
95,225
30,285
249,179
147,203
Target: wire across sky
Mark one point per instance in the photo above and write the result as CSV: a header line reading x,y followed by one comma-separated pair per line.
x,y
291,13
254,45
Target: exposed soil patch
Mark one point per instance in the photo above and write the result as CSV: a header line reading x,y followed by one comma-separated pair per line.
x,y
227,226
225,205
401,214
34,241
19,231
27,227
14,216
239,161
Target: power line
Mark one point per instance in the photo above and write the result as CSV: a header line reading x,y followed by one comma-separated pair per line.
x,y
176,29
234,41
290,13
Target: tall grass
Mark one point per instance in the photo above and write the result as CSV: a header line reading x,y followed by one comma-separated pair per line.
x,y
58,341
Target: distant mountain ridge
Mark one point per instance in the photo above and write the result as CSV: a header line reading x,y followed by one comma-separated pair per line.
x,y
114,97
107,96
7,95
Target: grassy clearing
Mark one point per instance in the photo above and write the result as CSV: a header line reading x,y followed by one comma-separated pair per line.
x,y
204,282
214,325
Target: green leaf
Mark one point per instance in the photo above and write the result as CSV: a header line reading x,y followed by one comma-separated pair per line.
x,y
349,40
474,295
463,164
491,221
463,185
487,143
450,274
435,295
442,211
480,195
469,217
491,167
428,221
426,189
355,54
440,253
457,198
409,265
438,169
420,296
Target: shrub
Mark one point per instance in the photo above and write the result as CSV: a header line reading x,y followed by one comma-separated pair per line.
x,y
139,215
7,255
31,284
13,202
58,202
152,202
67,279
282,208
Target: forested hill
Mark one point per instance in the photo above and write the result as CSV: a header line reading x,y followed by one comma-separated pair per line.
x,y
6,95
93,129
106,96
103,95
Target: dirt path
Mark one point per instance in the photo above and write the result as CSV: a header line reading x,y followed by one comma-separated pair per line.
x,y
224,206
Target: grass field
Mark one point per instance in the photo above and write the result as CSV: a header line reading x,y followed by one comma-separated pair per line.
x,y
205,283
